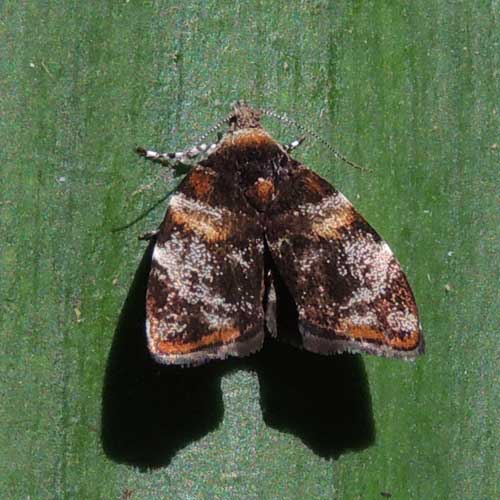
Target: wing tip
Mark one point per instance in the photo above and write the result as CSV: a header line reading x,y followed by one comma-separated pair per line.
x,y
322,345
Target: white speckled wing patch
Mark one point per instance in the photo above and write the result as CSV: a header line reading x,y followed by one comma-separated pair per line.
x,y
349,290
205,290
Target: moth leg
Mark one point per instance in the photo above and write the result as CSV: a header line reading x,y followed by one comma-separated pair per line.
x,y
294,144
150,235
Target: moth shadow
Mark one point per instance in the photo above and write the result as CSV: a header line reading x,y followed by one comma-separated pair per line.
x,y
323,400
151,411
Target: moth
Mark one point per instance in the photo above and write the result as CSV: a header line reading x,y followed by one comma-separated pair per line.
x,y
254,243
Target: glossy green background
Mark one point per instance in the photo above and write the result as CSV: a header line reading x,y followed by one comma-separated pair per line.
x,y
409,89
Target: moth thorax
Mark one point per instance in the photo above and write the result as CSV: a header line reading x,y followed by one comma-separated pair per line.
x,y
250,141
261,193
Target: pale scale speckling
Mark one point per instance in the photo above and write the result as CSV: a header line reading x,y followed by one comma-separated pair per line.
x,y
328,205
365,286
369,262
178,259
178,264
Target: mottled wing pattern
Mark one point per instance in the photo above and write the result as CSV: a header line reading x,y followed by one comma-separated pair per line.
x,y
206,285
349,290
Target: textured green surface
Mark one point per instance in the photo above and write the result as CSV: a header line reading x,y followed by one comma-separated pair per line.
x,y
408,90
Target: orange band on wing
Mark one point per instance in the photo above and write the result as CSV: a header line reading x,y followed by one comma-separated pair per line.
x,y
362,332
202,182
313,183
217,337
330,226
201,224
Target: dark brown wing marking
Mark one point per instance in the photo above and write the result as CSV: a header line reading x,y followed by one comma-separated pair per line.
x,y
350,291
206,285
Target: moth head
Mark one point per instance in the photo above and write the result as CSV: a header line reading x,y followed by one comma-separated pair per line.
x,y
243,116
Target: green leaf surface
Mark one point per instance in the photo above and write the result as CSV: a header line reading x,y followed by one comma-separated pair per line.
x,y
409,89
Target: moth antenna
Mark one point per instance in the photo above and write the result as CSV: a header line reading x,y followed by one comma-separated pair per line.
x,y
312,133
214,128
